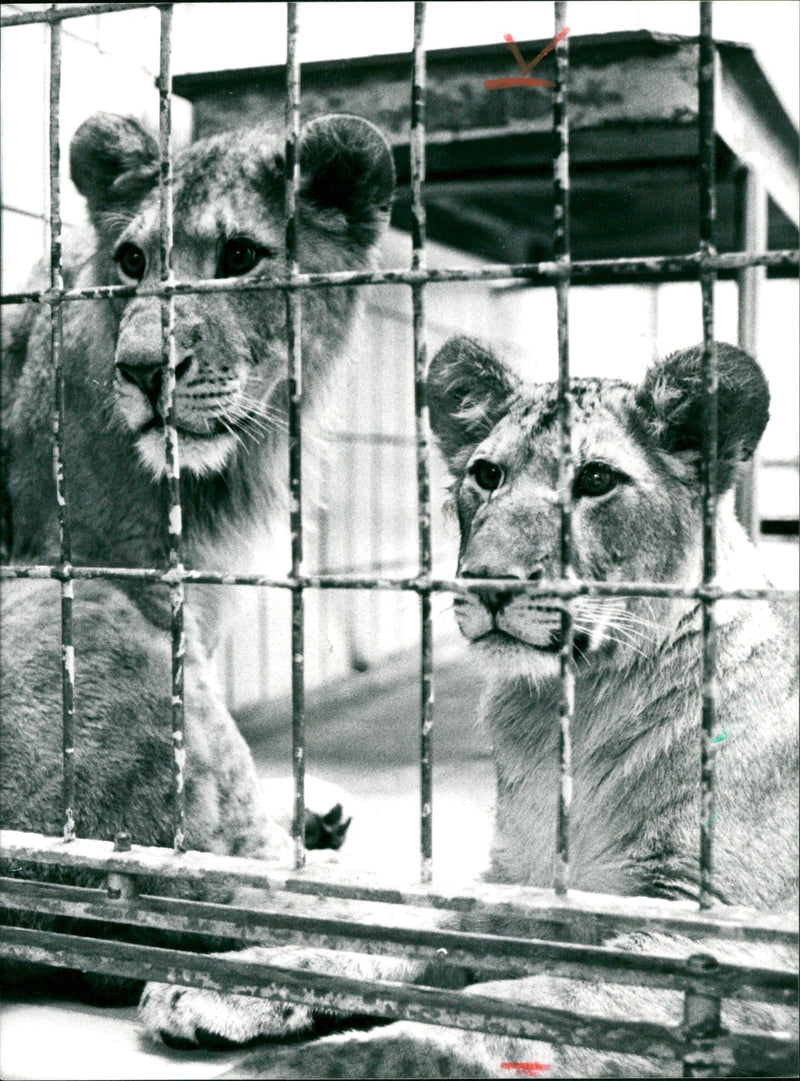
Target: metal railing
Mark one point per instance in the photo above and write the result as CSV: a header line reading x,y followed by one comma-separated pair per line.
x,y
325,908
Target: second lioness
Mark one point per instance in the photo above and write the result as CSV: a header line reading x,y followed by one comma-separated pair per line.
x,y
636,734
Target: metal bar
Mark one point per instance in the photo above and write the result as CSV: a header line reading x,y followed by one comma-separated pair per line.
x,y
422,431
545,272
417,933
573,588
701,1025
384,998
561,250
174,525
343,993
707,193
373,439
56,357
295,361
604,915
753,229
57,14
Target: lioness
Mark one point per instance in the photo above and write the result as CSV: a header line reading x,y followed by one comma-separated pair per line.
x,y
636,739
230,406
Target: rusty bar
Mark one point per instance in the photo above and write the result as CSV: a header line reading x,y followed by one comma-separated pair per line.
x,y
707,178
174,524
753,221
561,250
547,271
387,999
605,915
295,361
574,588
346,994
701,1023
56,355
414,933
55,14
422,431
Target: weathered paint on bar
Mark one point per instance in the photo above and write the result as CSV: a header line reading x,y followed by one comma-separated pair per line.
x,y
422,431
174,519
382,998
708,472
701,1023
585,271
56,14
425,935
561,248
575,588
295,359
605,915
60,480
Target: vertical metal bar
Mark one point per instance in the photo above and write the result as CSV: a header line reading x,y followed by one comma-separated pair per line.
x,y
701,1023
561,247
419,262
174,525
707,171
294,347
753,238
56,354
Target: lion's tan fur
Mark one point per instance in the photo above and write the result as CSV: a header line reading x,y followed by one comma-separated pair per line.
x,y
231,358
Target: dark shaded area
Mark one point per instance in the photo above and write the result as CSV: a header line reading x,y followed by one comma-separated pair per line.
x,y
489,152
373,718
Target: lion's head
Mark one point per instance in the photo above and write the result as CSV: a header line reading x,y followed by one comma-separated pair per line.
x,y
228,223
636,493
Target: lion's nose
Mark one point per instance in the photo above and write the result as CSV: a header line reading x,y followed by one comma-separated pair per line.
x,y
149,377
495,600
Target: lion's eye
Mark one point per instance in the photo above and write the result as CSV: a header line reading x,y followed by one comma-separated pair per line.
x,y
486,474
595,478
131,261
238,257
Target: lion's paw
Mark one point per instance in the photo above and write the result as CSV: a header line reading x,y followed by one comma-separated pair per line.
x,y
189,1018
328,830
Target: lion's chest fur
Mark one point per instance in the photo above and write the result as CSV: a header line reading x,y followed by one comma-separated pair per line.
x,y
636,745
617,734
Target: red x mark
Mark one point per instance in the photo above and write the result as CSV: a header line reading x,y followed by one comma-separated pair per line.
x,y
526,80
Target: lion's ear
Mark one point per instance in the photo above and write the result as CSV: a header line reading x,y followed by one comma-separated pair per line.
x,y
346,165
671,404
113,162
469,391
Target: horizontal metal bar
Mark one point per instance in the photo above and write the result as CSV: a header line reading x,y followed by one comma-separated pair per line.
x,y
376,997
602,914
419,584
579,270
73,11
373,439
37,215
383,998
495,956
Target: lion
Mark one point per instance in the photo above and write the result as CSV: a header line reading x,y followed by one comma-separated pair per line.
x,y
636,734
231,414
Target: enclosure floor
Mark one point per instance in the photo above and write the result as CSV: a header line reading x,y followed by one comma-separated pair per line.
x,y
363,737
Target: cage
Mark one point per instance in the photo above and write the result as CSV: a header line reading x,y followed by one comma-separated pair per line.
x,y
532,930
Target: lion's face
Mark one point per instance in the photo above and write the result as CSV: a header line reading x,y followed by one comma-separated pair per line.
x,y
229,351
630,521
230,347
635,497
